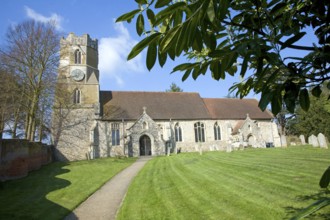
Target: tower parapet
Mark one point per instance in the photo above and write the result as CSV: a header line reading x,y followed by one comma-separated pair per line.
x,y
84,40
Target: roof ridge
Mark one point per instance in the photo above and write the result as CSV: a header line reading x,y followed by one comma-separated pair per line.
x,y
135,91
233,98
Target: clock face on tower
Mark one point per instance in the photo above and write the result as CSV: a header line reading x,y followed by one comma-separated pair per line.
x,y
77,75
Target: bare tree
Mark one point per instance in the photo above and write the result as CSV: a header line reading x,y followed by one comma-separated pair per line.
x,y
32,55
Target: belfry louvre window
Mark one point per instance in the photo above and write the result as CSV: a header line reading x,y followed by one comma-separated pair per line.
x,y
115,136
199,132
217,132
76,96
178,133
77,57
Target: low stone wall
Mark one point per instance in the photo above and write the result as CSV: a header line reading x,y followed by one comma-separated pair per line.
x,y
19,157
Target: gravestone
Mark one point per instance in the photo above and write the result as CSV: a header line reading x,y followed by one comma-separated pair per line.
x,y
310,140
322,140
283,141
313,140
229,149
302,139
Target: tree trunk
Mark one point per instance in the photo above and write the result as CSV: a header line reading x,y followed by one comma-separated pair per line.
x,y
16,117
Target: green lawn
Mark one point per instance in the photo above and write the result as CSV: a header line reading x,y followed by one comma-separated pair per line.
x,y
250,184
56,189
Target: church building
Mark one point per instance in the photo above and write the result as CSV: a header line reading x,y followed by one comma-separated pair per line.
x,y
89,123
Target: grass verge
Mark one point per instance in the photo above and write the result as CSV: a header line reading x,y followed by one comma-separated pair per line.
x,y
251,184
56,189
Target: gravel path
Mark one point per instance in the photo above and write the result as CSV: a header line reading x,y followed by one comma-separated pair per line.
x,y
105,202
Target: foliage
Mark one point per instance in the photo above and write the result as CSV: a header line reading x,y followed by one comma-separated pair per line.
x,y
174,88
56,189
31,57
249,184
230,36
316,120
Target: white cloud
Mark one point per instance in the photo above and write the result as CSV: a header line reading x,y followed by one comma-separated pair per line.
x,y
57,19
113,53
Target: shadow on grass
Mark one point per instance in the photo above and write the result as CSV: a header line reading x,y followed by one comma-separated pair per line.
x,y
26,198
321,195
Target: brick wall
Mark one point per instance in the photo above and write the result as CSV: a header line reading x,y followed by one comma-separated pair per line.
x,y
19,157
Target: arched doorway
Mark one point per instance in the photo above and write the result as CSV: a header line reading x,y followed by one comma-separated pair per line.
x,y
251,140
145,145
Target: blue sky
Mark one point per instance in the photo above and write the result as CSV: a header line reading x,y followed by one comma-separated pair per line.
x,y
97,18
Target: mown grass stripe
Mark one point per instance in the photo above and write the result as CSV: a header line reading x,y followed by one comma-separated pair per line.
x,y
250,184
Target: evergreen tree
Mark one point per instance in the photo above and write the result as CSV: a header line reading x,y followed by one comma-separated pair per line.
x,y
316,120
174,88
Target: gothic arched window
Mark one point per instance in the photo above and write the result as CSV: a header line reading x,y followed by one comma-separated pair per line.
x,y
178,133
199,132
77,57
76,96
217,132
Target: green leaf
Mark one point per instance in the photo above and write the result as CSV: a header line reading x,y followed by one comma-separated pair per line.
x,y
151,55
191,30
181,40
273,2
316,91
196,72
216,70
276,103
229,60
244,65
141,45
162,57
304,99
140,24
162,3
169,39
182,67
171,53
170,9
218,53
293,39
198,42
224,5
177,20
128,16
204,68
260,64
264,100
151,16
279,8
186,75
325,179
143,2
289,102
210,12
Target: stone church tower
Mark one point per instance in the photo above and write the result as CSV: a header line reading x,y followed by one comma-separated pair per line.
x,y
79,68
78,103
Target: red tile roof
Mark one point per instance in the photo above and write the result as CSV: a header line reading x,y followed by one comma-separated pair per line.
x,y
235,109
118,105
159,105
